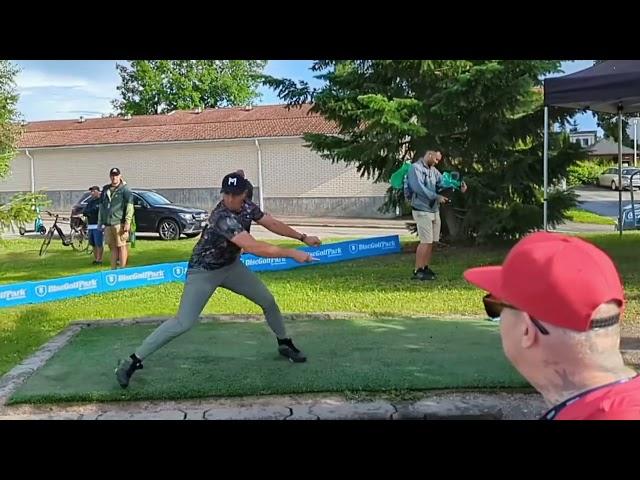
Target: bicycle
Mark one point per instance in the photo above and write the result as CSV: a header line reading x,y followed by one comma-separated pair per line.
x,y
77,238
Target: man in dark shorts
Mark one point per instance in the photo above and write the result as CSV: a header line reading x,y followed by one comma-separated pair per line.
x,y
560,301
94,230
215,262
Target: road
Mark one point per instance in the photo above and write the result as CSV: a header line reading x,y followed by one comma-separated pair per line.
x,y
259,232
594,199
603,201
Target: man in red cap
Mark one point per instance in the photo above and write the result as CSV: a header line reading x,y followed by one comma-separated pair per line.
x,y
560,300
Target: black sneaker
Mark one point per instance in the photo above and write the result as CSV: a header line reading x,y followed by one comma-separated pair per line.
x,y
427,274
286,348
126,368
418,274
423,274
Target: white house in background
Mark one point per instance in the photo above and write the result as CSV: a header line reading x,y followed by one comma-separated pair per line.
x,y
184,155
584,138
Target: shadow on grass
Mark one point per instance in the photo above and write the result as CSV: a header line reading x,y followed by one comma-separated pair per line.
x,y
237,359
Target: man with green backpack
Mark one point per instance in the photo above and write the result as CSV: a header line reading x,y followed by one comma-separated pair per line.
x,y
424,187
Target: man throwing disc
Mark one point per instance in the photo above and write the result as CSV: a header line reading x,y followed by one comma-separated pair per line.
x,y
215,262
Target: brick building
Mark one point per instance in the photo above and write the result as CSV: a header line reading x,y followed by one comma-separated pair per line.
x,y
184,155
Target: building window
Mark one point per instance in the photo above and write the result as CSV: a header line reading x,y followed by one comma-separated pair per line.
x,y
585,142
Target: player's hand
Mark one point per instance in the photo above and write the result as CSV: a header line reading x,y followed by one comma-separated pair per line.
x,y
125,228
302,257
442,199
313,241
463,187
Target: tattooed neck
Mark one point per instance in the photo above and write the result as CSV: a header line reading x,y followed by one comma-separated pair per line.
x,y
564,383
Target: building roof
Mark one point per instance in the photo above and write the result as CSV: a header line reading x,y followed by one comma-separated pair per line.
x,y
584,132
608,147
179,126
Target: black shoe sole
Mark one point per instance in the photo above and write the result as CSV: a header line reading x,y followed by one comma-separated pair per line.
x,y
121,380
122,385
293,359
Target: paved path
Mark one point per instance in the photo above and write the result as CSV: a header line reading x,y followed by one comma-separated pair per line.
x,y
435,406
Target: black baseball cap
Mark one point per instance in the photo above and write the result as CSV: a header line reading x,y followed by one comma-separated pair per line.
x,y
114,171
234,184
94,188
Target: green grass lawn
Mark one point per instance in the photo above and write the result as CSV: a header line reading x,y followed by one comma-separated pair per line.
x,y
378,286
237,359
583,216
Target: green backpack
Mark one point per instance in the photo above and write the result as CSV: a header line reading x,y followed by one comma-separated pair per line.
x,y
397,177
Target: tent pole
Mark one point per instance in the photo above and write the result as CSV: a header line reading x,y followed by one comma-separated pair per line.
x,y
620,224
545,166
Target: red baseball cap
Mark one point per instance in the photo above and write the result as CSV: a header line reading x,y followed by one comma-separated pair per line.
x,y
555,278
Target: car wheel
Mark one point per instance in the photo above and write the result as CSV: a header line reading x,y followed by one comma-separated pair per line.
x,y
613,185
169,229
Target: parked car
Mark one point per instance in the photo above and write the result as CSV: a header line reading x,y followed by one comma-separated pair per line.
x,y
609,178
155,214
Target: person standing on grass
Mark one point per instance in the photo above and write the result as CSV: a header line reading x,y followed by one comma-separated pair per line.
x,y
560,300
94,230
116,213
215,262
422,183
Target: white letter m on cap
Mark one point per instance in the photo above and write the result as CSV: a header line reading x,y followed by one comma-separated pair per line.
x,y
232,180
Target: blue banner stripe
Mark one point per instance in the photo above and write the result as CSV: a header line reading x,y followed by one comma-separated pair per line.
x,y
110,280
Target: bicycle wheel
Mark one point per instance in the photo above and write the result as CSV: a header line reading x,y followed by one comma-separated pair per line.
x,y
46,242
79,240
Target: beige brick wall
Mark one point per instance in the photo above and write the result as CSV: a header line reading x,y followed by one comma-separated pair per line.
x,y
155,166
289,168
20,178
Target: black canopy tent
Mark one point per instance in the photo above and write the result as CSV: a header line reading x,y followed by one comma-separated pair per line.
x,y
609,87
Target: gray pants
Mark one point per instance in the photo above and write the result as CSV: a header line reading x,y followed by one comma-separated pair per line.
x,y
198,289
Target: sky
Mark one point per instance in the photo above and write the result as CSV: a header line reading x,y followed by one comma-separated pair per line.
x,y
65,89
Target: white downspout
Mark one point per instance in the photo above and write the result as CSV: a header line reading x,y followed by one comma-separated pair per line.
x,y
260,182
33,175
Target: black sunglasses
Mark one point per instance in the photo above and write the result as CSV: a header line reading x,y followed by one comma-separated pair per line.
x,y
494,308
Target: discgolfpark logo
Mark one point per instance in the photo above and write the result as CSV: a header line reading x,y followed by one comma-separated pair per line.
x,y
78,285
178,272
9,295
376,245
150,275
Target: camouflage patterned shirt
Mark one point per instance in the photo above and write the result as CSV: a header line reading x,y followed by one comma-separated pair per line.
x,y
215,249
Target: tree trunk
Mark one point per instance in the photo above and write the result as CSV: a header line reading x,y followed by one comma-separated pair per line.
x,y
451,223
